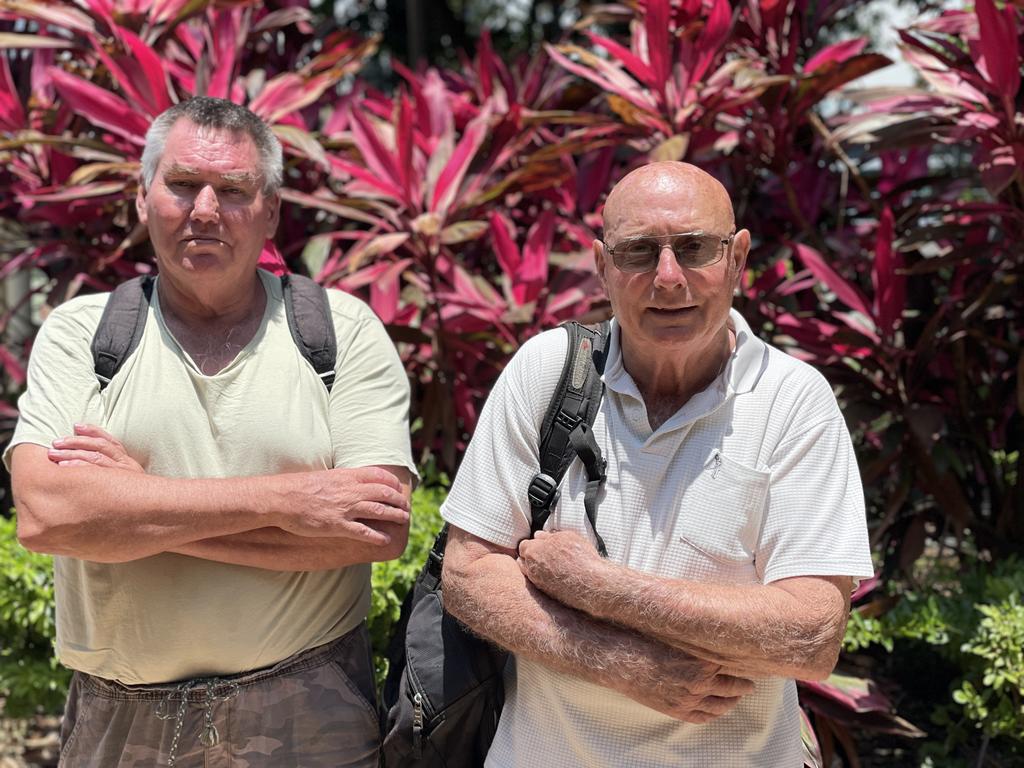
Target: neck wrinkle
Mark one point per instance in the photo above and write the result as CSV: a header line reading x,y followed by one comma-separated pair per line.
x,y
677,378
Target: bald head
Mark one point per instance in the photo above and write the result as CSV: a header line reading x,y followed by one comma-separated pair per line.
x,y
669,185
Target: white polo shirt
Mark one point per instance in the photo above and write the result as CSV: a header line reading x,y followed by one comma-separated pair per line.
x,y
753,480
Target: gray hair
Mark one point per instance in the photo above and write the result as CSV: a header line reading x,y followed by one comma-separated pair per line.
x,y
208,112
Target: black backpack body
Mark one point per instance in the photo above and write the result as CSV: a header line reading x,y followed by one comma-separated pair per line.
x,y
445,690
124,319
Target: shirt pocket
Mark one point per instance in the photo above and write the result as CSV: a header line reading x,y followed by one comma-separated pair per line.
x,y
719,521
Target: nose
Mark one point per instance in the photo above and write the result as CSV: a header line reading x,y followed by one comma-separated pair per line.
x,y
668,273
205,207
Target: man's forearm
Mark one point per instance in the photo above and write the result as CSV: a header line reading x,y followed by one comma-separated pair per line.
x,y
493,598
277,550
789,629
107,514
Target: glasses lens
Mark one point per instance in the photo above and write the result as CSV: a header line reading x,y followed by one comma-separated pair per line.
x,y
696,250
639,255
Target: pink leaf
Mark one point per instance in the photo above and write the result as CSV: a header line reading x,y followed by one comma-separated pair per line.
x,y
378,158
504,245
837,52
659,39
485,64
451,177
609,79
890,285
854,693
533,271
384,291
225,31
866,587
271,259
149,76
846,292
12,116
100,106
999,61
640,69
287,93
716,32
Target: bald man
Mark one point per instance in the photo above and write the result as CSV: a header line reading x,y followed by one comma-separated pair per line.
x,y
733,517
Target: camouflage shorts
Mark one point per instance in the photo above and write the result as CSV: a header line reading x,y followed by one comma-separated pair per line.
x,y
313,709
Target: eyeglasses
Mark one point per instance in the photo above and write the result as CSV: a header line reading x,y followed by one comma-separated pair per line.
x,y
693,250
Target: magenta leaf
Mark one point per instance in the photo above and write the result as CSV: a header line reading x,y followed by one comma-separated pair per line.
x,y
821,269
999,59
12,116
836,52
505,247
533,271
637,66
100,106
451,177
889,282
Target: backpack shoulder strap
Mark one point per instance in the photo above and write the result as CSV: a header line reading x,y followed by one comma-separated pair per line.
x,y
566,430
311,324
121,326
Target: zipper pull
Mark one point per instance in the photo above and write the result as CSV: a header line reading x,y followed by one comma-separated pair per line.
x,y
717,464
417,725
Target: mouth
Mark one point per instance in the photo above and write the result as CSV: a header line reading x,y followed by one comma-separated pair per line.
x,y
671,312
202,240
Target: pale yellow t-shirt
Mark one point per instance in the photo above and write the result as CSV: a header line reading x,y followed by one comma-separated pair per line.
x,y
172,617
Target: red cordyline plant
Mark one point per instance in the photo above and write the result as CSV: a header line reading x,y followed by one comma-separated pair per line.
x,y
96,76
467,241
463,207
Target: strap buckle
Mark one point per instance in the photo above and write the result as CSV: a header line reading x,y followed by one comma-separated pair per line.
x,y
543,492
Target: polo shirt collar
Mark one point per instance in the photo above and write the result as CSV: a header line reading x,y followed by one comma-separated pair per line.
x,y
745,367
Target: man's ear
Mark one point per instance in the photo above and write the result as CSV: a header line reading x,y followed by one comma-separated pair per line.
x,y
600,262
740,251
140,204
273,214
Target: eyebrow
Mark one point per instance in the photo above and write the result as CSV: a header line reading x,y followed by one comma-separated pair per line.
x,y
235,177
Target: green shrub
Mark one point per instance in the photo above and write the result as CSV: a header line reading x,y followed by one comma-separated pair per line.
x,y
30,676
392,580
975,621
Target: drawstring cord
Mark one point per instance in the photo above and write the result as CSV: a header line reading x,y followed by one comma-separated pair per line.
x,y
208,736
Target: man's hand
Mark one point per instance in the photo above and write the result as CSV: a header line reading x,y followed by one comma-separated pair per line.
x,y
560,564
345,503
686,688
91,446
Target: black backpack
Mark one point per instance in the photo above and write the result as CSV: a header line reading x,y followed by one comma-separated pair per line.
x,y
124,318
444,690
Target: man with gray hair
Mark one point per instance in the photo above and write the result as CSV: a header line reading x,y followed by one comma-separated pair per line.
x,y
214,508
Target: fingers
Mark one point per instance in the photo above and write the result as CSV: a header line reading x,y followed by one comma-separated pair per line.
x,y
91,430
718,705
374,475
727,685
359,532
79,458
377,512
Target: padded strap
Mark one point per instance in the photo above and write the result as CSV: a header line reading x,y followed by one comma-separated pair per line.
x,y
311,324
566,427
121,326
